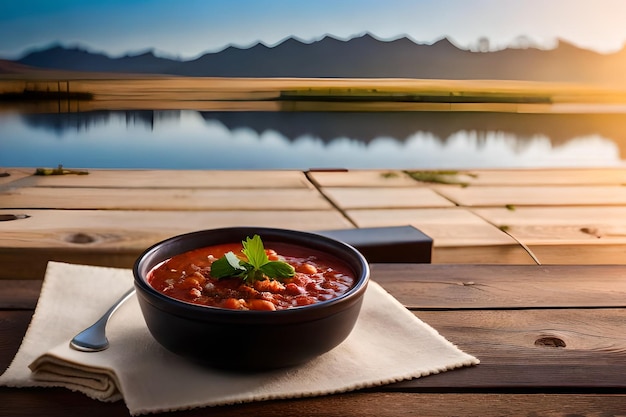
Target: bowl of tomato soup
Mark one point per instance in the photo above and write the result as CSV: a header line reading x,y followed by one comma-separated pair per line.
x,y
250,298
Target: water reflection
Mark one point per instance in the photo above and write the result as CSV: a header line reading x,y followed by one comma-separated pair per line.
x,y
367,126
60,123
486,138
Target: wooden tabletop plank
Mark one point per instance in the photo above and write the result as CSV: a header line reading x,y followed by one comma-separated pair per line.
x,y
58,402
572,195
19,294
580,347
518,348
176,179
348,198
165,199
533,353
459,286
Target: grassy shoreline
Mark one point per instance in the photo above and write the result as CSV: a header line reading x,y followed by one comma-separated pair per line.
x,y
302,94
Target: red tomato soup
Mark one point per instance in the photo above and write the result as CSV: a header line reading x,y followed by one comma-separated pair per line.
x,y
318,277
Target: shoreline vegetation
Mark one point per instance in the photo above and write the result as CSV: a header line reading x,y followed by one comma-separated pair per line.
x,y
80,93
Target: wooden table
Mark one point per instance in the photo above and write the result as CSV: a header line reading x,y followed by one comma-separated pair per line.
x,y
551,340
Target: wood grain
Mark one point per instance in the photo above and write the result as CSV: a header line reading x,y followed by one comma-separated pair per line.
x,y
57,402
541,177
426,287
580,348
133,228
477,177
19,294
98,178
382,197
559,225
541,195
480,229
11,175
483,254
165,199
550,340
115,238
362,178
592,254
452,226
459,286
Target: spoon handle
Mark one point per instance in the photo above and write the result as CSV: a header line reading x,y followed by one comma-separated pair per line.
x,y
93,338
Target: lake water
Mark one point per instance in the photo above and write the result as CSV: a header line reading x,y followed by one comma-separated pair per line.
x,y
243,140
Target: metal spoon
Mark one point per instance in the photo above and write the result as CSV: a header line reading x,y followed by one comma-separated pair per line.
x,y
93,338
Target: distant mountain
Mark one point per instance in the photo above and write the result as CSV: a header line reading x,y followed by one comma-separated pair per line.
x,y
76,59
10,67
359,57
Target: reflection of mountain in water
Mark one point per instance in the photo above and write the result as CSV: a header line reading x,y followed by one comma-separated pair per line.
x,y
367,126
65,122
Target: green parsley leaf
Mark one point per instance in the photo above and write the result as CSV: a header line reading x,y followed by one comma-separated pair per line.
x,y
277,269
256,266
254,251
234,261
223,267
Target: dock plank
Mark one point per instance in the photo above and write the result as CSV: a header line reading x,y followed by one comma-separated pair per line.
x,y
483,254
165,199
119,228
447,226
560,225
565,235
598,195
459,236
362,178
543,177
116,237
348,198
13,174
178,179
580,254
559,215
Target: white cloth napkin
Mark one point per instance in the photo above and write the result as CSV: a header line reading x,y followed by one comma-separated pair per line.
x,y
388,344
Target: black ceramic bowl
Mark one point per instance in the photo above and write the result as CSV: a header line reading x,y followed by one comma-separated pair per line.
x,y
249,340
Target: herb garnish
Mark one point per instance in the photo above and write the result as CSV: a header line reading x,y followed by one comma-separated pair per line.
x,y
255,266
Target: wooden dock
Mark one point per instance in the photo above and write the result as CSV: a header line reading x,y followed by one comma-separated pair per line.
x,y
551,216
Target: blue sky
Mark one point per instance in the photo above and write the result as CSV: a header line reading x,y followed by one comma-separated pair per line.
x,y
189,28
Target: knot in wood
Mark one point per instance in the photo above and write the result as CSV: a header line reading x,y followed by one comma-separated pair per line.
x,y
551,342
10,217
80,238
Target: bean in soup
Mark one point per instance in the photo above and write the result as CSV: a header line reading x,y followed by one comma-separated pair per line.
x,y
318,277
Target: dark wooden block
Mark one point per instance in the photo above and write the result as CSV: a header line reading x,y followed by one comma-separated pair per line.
x,y
396,244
